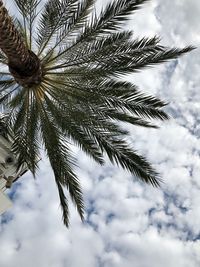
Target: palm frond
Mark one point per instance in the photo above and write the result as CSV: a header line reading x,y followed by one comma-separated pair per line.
x,y
72,130
119,153
18,99
113,96
120,116
4,128
114,16
49,22
7,95
56,14
126,97
137,62
84,117
114,47
112,61
25,128
7,88
28,10
117,150
63,200
77,17
126,65
61,162
81,54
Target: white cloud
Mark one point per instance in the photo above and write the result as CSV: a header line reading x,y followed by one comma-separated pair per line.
x,y
128,223
180,20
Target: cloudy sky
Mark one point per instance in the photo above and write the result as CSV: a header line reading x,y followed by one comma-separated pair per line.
x,y
127,223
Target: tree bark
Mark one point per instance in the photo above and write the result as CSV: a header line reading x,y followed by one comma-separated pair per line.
x,y
22,62
11,42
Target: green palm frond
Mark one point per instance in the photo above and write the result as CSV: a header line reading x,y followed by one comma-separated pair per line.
x,y
61,20
118,45
113,16
126,97
18,98
7,89
28,10
25,127
115,96
74,131
61,161
49,22
26,7
121,154
56,14
6,97
117,65
115,149
68,55
110,20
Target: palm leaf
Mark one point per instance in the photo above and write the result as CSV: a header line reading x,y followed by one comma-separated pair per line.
x,y
72,130
28,10
109,144
115,95
61,162
80,54
109,20
25,127
114,16
119,153
56,14
64,24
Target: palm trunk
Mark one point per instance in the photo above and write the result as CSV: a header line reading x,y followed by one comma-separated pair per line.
x,y
23,63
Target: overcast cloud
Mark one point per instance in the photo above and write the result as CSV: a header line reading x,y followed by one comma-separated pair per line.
x,y
127,223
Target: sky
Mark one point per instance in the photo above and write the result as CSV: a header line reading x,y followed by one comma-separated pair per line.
x,y
127,223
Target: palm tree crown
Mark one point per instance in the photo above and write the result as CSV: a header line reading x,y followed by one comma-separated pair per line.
x,y
59,81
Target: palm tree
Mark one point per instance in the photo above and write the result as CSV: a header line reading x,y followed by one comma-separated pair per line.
x,y
60,82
